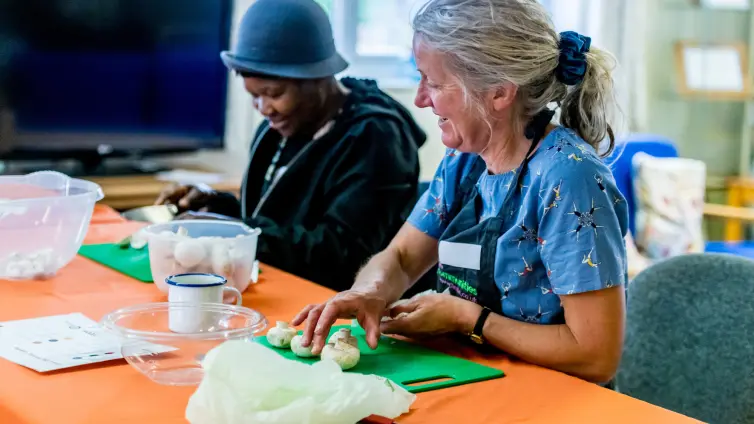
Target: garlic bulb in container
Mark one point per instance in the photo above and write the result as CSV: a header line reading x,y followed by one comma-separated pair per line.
x,y
189,253
345,335
304,352
343,353
281,334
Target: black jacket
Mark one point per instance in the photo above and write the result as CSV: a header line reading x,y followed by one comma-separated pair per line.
x,y
342,198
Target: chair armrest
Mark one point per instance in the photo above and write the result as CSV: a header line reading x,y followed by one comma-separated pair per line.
x,y
728,212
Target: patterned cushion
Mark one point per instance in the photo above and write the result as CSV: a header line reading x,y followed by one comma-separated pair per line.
x,y
669,195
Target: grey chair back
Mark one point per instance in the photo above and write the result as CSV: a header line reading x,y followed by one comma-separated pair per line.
x,y
690,338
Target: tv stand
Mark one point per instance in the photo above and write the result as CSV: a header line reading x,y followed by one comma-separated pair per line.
x,y
88,167
112,168
133,191
126,184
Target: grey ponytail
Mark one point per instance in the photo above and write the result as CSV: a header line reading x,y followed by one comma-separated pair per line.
x,y
587,106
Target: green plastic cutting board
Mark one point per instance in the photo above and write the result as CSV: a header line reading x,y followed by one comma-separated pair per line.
x,y
131,262
408,364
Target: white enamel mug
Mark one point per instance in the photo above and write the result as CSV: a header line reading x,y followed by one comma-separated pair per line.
x,y
195,288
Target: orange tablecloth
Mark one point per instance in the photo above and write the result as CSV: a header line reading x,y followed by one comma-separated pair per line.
x,y
116,393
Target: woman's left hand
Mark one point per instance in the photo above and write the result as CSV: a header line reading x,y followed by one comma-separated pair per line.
x,y
430,315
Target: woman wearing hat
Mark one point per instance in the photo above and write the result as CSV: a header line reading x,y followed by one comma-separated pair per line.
x,y
523,217
334,167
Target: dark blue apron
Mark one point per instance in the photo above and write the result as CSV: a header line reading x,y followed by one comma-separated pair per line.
x,y
465,235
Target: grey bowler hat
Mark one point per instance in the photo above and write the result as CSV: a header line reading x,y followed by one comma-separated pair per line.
x,y
285,38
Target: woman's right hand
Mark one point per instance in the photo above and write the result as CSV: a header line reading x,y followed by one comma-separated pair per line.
x,y
187,197
367,308
382,281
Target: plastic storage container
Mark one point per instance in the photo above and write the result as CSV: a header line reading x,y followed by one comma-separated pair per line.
x,y
225,248
44,217
175,359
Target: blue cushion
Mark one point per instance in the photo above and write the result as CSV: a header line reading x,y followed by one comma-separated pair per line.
x,y
620,163
742,248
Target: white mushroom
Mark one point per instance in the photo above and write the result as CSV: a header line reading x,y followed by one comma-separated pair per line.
x,y
387,318
138,240
345,335
182,231
189,253
342,353
221,261
304,352
281,334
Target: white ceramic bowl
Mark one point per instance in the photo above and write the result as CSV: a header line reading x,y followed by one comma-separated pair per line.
x,y
44,217
175,358
225,248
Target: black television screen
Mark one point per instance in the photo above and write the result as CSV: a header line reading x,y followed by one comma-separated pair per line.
x,y
130,75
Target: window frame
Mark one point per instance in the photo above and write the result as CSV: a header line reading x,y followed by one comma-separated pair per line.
x,y
389,71
399,72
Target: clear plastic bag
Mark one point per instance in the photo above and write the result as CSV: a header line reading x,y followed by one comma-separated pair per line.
x,y
245,382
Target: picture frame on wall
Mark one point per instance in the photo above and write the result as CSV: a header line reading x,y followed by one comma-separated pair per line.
x,y
725,4
713,70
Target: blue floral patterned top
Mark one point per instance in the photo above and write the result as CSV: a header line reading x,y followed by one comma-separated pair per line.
x,y
568,233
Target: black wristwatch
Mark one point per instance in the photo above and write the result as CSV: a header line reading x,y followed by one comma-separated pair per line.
x,y
476,334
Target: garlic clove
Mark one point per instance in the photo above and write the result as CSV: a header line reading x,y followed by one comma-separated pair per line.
x,y
182,231
304,352
342,353
281,334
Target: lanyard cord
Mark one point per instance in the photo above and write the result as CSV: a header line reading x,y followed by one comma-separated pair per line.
x,y
270,174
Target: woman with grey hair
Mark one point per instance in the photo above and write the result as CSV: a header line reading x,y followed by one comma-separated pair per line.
x,y
523,216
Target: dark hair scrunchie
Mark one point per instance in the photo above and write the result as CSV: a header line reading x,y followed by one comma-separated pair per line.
x,y
572,60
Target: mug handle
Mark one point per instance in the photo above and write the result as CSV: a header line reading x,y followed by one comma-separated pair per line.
x,y
236,293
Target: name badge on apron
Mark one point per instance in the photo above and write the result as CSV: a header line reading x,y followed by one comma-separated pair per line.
x,y
461,255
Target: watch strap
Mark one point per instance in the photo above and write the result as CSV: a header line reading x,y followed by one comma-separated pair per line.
x,y
476,334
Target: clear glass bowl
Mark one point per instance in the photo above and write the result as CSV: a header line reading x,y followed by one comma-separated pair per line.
x,y
171,358
44,217
226,248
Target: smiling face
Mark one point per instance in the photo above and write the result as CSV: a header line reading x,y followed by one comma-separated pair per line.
x,y
462,127
289,105
465,127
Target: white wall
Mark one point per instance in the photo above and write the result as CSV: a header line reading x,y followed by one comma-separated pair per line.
x,y
704,129
433,150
